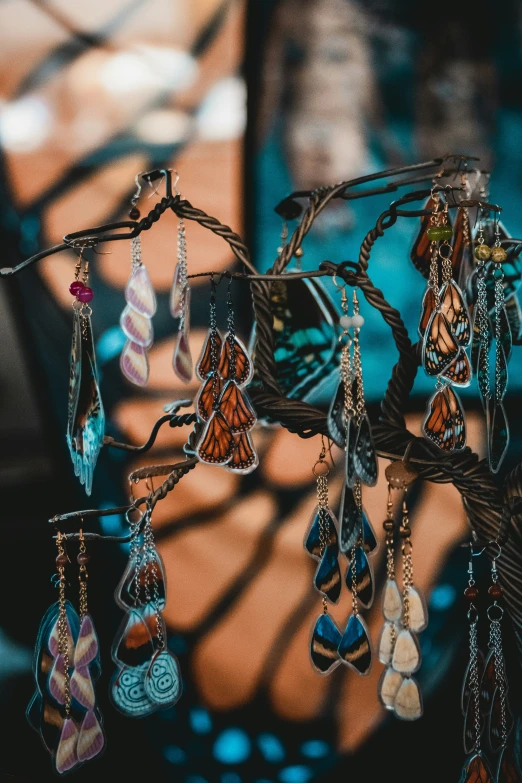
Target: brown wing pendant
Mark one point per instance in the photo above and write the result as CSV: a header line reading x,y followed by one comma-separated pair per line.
x,y
421,250
459,371
243,371
209,392
459,422
508,770
244,459
237,409
216,444
454,308
438,425
428,308
204,365
476,770
458,243
439,347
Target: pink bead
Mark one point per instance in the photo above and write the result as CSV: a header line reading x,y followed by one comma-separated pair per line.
x,y
75,287
86,294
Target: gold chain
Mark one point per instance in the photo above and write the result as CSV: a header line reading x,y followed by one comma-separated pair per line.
x,y
322,505
360,408
82,577
407,563
63,636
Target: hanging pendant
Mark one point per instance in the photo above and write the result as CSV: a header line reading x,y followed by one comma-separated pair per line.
x,y
444,423
388,687
392,601
133,643
216,445
128,691
364,456
326,638
427,311
350,520
453,307
208,393
163,679
134,363
176,293
82,688
182,359
498,436
351,435
244,369
136,327
312,540
86,421
421,252
134,584
139,293
66,756
476,770
244,458
439,347
508,770
213,344
408,700
91,739
327,578
87,646
355,647
336,420
236,408
406,653
387,642
459,371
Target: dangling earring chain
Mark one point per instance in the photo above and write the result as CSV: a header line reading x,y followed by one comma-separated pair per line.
x,y
63,635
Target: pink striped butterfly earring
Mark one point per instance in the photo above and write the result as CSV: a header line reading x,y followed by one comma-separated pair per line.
x,y
135,319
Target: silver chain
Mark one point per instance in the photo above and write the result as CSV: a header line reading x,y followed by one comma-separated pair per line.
x,y
499,304
474,680
483,326
151,579
182,263
495,641
136,251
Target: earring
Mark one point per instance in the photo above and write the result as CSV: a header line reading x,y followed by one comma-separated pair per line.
x,y
63,709
148,677
494,688
180,308
492,399
476,767
404,615
86,417
321,542
222,404
446,331
135,319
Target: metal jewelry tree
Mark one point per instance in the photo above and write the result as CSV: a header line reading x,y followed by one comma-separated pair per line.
x,y
494,512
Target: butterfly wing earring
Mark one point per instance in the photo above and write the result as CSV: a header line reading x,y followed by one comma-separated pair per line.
x,y
86,416
136,318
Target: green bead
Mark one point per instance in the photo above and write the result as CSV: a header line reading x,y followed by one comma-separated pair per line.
x,y
483,252
498,255
434,233
446,232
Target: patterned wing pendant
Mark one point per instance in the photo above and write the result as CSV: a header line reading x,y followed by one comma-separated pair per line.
x,y
364,456
459,371
355,646
128,691
350,520
336,418
508,770
408,700
139,293
428,308
364,578
182,359
351,435
369,538
82,688
207,395
244,368
327,578
453,306
444,423
236,408
85,436
312,540
66,753
211,347
133,643
406,653
244,458
217,444
498,436
326,638
87,646
163,679
476,770
439,346
91,739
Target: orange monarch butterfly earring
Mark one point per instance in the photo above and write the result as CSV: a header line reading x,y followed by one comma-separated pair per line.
x,y
405,612
445,329
222,404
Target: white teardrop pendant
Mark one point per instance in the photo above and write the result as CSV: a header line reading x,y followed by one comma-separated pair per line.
x,y
417,610
388,687
392,601
387,642
406,654
408,700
